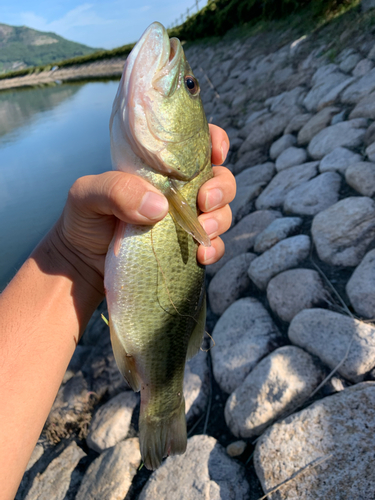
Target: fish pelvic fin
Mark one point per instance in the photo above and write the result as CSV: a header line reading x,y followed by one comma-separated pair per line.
x,y
159,438
125,362
197,335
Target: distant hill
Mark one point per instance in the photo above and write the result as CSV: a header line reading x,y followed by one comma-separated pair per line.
x,y
21,47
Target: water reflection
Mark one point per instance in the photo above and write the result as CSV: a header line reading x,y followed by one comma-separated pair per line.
x,y
48,138
19,107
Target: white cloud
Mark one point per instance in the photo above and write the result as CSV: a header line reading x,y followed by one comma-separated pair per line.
x,y
83,15
31,20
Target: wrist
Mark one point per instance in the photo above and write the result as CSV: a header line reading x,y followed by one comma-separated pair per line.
x,y
55,256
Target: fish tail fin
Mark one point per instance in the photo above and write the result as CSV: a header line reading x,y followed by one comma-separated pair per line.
x,y
164,437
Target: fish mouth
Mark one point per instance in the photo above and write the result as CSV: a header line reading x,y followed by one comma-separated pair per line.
x,y
162,54
167,76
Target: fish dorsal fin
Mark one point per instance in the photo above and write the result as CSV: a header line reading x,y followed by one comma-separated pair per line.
x,y
197,335
125,362
185,216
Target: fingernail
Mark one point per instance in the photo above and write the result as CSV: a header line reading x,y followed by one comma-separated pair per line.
x,y
210,226
224,150
153,206
209,253
213,198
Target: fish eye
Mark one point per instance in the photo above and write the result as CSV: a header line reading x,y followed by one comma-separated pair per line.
x,y
191,84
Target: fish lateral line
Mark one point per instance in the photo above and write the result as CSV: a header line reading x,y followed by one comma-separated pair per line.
x,y
170,298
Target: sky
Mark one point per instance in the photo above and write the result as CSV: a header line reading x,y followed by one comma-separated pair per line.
x,y
98,23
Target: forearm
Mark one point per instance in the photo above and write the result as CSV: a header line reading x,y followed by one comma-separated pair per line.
x,y
43,311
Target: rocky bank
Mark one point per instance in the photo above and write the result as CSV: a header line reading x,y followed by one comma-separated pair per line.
x,y
292,301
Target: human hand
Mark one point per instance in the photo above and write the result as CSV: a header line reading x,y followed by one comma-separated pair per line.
x,y
95,202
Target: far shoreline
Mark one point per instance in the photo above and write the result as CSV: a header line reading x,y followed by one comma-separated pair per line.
x,y
110,68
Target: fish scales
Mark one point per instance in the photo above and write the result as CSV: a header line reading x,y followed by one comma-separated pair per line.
x,y
154,285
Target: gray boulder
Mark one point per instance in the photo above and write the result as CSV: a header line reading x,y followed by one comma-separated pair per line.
x,y
286,99
332,96
229,282
343,232
204,471
278,384
265,129
363,67
285,142
275,193
54,482
361,177
111,422
290,292
365,108
278,230
361,287
350,62
335,428
314,196
316,123
196,386
370,151
284,255
297,122
349,134
249,185
359,89
110,475
240,238
290,157
249,159
328,334
244,334
325,79
339,160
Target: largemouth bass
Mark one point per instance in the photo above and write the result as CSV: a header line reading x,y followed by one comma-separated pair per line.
x,y
154,285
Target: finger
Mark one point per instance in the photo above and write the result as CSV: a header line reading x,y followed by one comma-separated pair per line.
x,y
216,222
220,144
210,255
126,196
218,191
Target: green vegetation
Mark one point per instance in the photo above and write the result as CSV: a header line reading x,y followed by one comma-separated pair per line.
x,y
219,16
27,47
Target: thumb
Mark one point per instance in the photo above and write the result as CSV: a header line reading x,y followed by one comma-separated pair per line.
x,y
127,196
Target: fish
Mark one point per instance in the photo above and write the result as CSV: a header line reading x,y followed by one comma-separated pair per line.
x,y
154,285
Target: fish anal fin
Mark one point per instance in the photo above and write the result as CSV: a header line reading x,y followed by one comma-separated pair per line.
x,y
185,216
125,362
160,438
197,335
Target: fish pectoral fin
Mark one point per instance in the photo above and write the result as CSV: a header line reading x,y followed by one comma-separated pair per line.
x,y
125,362
180,210
197,335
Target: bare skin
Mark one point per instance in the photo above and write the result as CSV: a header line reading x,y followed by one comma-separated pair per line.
x,y
47,305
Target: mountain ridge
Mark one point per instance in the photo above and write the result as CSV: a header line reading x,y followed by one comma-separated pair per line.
x,y
23,47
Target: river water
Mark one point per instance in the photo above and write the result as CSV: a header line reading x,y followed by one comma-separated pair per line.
x,y
49,137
